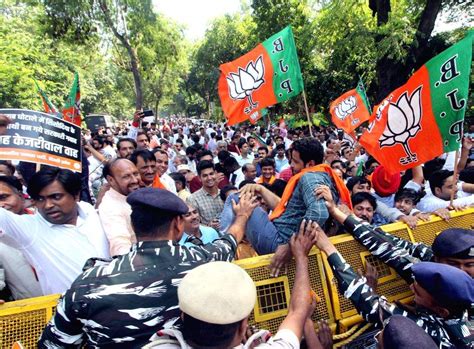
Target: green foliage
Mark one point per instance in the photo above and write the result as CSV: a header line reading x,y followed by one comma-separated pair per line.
x,y
163,56
27,54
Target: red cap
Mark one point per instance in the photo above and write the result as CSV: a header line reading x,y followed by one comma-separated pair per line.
x,y
384,183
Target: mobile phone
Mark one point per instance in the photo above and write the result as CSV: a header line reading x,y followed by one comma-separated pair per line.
x,y
148,112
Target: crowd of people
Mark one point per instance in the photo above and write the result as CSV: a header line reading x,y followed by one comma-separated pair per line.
x,y
139,243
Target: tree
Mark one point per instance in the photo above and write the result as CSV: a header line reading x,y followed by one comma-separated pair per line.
x,y
163,56
228,38
271,16
77,20
26,54
384,50
419,46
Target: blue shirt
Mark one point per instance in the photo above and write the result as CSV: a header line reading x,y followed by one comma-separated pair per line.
x,y
303,204
208,235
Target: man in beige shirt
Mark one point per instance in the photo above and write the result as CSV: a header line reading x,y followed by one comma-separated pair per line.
x,y
114,211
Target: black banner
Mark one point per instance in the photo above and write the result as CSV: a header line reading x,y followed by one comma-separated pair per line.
x,y
41,138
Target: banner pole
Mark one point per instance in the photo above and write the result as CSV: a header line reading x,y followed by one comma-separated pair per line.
x,y
455,174
307,114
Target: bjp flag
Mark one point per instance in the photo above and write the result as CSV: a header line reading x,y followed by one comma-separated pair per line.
x,y
423,118
351,109
267,75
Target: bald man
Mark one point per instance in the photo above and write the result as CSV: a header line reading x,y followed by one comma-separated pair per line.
x,y
114,211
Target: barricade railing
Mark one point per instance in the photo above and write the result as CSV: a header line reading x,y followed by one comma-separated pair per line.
x,y
24,320
273,294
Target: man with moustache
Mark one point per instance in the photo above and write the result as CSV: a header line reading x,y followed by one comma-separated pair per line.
x,y
114,211
194,232
145,162
162,163
250,172
364,206
125,147
62,236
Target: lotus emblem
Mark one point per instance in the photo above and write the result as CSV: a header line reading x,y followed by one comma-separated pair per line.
x,y
403,123
245,81
347,107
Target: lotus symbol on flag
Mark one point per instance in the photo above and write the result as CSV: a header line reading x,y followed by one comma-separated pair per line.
x,y
242,84
403,123
346,108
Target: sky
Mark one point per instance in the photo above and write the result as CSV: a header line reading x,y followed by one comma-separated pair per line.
x,y
195,14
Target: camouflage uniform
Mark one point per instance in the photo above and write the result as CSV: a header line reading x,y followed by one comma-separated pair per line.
x,y
121,304
400,255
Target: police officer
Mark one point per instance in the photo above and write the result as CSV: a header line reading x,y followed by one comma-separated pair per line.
x,y
443,297
121,303
217,298
454,246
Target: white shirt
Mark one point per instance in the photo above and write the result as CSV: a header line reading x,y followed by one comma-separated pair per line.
x,y
212,145
430,203
209,131
247,160
168,182
19,274
109,152
237,177
184,138
56,251
95,168
114,213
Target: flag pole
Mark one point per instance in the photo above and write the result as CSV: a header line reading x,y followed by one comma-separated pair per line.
x,y
307,114
361,82
455,174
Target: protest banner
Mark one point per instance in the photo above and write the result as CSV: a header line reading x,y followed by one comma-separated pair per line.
x,y
41,138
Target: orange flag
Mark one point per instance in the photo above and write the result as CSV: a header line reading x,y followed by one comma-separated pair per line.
x,y
267,75
423,118
351,109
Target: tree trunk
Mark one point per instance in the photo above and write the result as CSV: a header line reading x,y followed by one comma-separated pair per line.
x,y
157,104
392,73
134,62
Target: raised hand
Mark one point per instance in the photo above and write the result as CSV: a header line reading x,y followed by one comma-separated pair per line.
x,y
252,189
246,205
324,192
302,242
